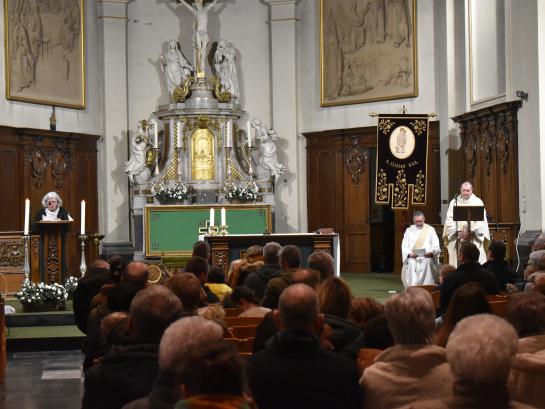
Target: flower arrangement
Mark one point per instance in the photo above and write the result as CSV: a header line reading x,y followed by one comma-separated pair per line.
x,y
70,285
41,295
169,194
244,193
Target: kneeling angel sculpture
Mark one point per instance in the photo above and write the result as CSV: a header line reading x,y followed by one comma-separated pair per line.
x,y
267,149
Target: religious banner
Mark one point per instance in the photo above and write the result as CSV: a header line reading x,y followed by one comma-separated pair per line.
x,y
402,158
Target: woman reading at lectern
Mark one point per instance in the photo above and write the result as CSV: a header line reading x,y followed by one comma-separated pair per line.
x,y
52,209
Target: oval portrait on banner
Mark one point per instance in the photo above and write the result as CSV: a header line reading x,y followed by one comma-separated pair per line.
x,y
402,142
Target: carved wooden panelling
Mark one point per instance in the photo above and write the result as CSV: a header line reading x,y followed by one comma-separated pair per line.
x,y
339,175
34,162
489,142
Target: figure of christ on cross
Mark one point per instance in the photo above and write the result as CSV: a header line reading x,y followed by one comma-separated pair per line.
x,y
200,30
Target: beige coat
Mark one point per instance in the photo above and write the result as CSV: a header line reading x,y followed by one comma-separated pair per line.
x,y
527,379
531,344
404,374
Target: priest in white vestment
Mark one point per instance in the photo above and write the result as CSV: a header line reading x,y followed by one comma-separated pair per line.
x,y
455,232
420,251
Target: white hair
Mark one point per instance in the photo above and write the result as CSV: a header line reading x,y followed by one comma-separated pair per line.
x,y
480,349
51,195
411,316
183,335
467,183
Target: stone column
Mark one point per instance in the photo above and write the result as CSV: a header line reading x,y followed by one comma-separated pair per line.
x,y
112,182
290,209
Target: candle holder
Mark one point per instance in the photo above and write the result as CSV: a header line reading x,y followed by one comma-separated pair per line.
x,y
223,230
179,154
250,167
83,264
156,154
213,230
26,265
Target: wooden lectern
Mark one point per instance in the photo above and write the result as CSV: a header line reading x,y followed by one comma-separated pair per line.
x,y
53,250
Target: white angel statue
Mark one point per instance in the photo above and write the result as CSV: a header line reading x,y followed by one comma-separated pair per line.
x,y
175,67
267,149
136,168
225,65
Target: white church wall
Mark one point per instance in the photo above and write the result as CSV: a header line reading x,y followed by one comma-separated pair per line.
x,y
526,47
486,50
88,120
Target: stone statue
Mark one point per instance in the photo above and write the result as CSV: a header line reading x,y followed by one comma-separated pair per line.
x,y
200,31
267,149
175,67
225,65
136,168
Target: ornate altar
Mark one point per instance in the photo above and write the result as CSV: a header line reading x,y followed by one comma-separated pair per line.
x,y
192,151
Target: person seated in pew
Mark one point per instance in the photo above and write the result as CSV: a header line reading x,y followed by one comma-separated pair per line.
x,y
259,279
497,264
216,283
469,270
244,298
469,299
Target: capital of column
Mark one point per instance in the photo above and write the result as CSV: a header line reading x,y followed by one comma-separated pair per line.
x,y
113,9
282,10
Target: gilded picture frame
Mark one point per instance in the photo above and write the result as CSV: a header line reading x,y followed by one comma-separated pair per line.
x,y
368,51
45,52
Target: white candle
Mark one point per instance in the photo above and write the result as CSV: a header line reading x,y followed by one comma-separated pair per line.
x,y
229,134
27,216
212,217
82,217
153,123
179,134
249,135
223,222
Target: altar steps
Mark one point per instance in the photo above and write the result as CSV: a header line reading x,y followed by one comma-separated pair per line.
x,y
41,331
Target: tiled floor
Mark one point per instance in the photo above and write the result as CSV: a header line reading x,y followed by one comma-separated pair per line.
x,y
43,380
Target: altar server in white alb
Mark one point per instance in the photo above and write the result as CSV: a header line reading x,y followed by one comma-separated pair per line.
x,y
420,251
456,232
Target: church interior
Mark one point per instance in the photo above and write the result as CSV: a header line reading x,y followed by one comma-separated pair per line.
x,y
389,135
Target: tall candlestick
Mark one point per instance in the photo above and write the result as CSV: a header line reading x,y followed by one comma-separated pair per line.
x,y
27,216
249,135
179,134
83,217
212,217
223,222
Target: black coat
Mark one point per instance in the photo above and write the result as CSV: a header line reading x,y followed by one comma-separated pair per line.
x,y
258,280
295,372
88,286
127,373
502,270
467,273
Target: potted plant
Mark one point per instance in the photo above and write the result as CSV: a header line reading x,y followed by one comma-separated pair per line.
x,y
238,194
177,193
41,297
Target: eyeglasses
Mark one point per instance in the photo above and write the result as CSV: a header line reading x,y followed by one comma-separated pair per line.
x,y
52,202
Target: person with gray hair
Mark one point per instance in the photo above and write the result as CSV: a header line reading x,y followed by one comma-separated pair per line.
x,y
456,232
178,339
52,208
420,253
412,369
290,262
322,262
294,371
259,279
127,372
534,268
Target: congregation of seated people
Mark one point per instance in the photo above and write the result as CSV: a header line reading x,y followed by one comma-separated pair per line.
x,y
270,333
